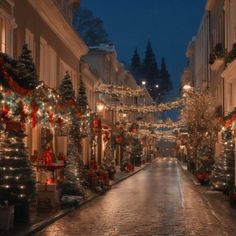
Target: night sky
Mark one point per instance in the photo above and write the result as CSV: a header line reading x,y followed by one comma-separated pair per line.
x,y
169,24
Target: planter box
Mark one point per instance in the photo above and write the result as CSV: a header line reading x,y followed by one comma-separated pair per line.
x,y
217,64
48,195
6,217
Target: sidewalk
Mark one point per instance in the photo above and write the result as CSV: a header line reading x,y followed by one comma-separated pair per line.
x,y
46,217
216,201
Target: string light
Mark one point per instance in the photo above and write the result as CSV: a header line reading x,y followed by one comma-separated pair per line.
x,y
119,90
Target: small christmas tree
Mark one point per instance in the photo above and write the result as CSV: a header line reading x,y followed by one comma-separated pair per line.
x,y
223,172
73,163
136,153
82,102
17,185
26,72
108,160
66,89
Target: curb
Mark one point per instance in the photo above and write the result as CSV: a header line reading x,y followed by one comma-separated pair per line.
x,y
39,226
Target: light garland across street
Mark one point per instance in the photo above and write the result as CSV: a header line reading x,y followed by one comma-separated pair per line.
x,y
118,90
164,125
146,108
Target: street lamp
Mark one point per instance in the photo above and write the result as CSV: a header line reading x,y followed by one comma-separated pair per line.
x,y
100,106
157,85
187,87
143,83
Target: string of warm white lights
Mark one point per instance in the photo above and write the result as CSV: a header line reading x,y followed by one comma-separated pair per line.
x,y
118,90
164,125
160,135
146,108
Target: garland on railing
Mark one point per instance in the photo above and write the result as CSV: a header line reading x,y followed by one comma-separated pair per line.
x,y
146,108
118,90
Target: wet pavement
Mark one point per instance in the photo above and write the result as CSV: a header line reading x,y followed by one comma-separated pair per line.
x,y
160,200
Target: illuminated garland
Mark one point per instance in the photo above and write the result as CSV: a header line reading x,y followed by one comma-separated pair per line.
x,y
160,135
165,125
119,90
148,108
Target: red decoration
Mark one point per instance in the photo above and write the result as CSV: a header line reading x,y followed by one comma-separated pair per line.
x,y
23,115
5,111
34,108
47,158
119,140
233,117
11,82
97,123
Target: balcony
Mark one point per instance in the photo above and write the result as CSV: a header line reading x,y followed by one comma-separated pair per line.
x,y
217,64
230,72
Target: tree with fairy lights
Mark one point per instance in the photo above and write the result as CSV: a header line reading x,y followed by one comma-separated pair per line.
x,y
108,160
26,72
198,113
17,185
66,89
222,177
82,101
136,151
73,164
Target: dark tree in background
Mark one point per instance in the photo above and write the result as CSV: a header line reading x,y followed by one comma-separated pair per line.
x,y
66,89
82,101
26,72
164,78
150,70
136,66
90,27
157,81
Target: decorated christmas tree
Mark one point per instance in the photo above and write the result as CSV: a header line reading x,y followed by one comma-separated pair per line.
x,y
66,89
26,72
73,163
223,172
82,102
108,160
136,151
17,185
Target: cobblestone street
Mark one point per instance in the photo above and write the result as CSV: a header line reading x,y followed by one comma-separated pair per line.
x,y
160,200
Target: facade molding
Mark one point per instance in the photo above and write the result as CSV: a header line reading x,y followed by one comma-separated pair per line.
x,y
54,19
